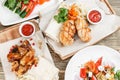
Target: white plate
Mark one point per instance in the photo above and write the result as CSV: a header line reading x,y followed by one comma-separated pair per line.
x,y
5,48
90,53
7,17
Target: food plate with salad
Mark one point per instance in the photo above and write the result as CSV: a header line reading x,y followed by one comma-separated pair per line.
x,y
94,63
15,11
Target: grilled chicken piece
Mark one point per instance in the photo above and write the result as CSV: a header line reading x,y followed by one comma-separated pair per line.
x,y
13,57
22,58
21,70
26,45
15,66
29,55
33,61
67,33
22,50
82,29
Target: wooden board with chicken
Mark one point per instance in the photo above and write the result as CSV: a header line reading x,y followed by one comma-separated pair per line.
x,y
78,24
72,20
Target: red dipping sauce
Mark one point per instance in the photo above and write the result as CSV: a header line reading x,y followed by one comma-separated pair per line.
x,y
94,16
27,29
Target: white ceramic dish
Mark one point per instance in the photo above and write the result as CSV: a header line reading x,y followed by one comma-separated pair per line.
x,y
101,14
21,26
8,17
90,53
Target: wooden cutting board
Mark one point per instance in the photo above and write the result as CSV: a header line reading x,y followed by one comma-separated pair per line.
x,y
69,52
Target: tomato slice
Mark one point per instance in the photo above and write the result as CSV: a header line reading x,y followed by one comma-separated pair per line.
x,y
83,73
97,64
93,78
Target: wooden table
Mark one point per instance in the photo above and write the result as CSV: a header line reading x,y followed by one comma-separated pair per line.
x,y
112,41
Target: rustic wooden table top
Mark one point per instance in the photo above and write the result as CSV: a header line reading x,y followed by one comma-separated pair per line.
x,y
112,41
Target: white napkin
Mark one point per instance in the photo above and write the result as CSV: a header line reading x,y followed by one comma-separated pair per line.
x,y
44,70
47,14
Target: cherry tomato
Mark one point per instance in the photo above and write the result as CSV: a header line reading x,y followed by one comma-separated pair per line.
x,y
83,73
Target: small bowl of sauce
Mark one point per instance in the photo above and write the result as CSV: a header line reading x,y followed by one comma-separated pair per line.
x,y
95,16
27,29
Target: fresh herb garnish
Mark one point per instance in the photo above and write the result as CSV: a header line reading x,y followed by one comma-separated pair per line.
x,y
117,75
12,4
62,15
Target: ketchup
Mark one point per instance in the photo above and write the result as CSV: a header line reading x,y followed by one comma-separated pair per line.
x,y
27,29
94,16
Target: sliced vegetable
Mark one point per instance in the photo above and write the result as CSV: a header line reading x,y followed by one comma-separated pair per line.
x,y
24,6
30,8
19,6
18,11
83,73
73,12
97,64
93,78
23,14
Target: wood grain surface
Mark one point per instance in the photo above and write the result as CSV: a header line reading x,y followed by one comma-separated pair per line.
x,y
112,41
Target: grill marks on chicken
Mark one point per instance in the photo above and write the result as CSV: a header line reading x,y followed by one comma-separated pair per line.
x,y
22,58
82,29
76,23
67,33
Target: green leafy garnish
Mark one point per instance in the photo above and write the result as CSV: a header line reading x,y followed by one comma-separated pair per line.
x,y
12,4
62,15
117,75
6,4
113,69
25,1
